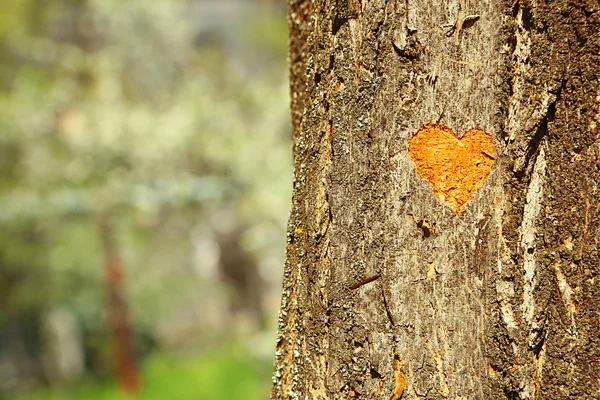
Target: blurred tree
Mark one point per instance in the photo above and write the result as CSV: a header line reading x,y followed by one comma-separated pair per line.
x,y
113,108
119,310
239,269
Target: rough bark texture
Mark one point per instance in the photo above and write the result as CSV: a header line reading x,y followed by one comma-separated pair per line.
x,y
388,293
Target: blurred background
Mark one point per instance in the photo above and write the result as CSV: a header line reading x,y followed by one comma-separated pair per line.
x,y
145,182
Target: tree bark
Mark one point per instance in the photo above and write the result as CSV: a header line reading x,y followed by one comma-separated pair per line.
x,y
390,289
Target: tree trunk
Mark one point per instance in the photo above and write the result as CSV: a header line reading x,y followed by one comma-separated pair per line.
x,y
422,263
123,335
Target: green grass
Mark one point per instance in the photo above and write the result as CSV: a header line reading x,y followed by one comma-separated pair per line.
x,y
226,375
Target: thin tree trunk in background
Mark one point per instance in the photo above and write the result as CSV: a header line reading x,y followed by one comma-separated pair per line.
x,y
125,359
411,272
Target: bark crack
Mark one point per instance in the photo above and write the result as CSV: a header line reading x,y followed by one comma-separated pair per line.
x,y
387,310
544,115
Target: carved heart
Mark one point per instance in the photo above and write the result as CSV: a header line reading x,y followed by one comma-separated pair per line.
x,y
455,167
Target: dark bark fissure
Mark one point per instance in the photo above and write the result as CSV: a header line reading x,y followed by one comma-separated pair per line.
x,y
523,165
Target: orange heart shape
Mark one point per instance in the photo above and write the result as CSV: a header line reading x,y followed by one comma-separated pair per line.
x,y
456,167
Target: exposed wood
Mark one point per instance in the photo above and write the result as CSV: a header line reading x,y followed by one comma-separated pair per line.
x,y
499,300
455,167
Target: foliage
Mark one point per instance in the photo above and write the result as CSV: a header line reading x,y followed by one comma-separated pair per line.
x,y
126,110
